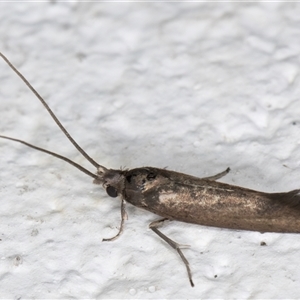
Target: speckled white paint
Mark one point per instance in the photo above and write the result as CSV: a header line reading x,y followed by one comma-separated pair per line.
x,y
196,87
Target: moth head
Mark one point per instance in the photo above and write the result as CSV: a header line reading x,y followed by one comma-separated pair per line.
x,y
113,181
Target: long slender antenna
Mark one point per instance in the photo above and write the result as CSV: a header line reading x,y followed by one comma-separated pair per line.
x,y
73,163
63,129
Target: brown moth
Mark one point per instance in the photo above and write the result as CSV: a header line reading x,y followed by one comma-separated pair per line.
x,y
185,198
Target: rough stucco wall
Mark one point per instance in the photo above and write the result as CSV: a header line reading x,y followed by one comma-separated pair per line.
x,y
196,87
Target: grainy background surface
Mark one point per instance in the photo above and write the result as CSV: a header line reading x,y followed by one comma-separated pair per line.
x,y
195,87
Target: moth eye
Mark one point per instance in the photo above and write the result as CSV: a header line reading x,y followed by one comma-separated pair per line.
x,y
112,191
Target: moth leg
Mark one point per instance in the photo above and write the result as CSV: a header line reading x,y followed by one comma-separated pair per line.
x,y
174,245
217,176
123,218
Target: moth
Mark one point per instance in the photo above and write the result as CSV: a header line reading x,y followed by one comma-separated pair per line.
x,y
181,197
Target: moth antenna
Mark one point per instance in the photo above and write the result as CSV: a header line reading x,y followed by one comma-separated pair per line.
x,y
71,162
63,129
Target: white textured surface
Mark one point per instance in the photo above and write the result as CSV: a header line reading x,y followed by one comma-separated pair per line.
x,y
196,87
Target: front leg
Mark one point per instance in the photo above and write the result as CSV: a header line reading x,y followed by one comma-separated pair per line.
x,y
153,226
123,218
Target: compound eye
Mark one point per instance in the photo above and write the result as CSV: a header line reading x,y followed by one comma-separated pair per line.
x,y
112,191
